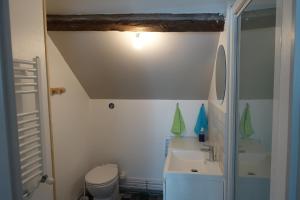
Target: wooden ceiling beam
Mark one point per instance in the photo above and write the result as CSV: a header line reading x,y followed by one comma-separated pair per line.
x,y
204,22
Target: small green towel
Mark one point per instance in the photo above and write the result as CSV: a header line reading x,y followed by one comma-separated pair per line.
x,y
178,126
246,129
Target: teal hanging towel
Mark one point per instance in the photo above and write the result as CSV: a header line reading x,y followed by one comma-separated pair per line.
x,y
246,129
202,122
178,126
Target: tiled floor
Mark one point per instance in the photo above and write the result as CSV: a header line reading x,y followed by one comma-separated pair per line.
x,y
129,195
140,196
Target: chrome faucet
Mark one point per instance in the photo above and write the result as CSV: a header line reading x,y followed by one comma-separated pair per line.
x,y
211,151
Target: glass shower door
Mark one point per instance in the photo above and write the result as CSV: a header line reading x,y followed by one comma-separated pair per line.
x,y
255,101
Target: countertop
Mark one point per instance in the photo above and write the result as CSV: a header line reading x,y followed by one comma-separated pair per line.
x,y
185,143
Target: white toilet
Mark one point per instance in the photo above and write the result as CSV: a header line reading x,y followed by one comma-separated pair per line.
x,y
103,182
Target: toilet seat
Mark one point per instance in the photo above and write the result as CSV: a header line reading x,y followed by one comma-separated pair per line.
x,y
102,175
107,184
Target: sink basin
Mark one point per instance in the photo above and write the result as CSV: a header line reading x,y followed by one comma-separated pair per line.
x,y
191,161
189,176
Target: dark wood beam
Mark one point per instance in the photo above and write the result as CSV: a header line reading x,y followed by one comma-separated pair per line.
x,y
206,22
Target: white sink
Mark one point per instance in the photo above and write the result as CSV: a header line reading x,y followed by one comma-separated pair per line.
x,y
191,161
189,176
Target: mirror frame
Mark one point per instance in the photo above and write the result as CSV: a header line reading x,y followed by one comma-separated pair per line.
x,y
221,101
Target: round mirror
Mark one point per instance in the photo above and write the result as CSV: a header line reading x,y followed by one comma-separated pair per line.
x,y
221,74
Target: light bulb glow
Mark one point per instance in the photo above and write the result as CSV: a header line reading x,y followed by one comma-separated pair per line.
x,y
138,42
143,40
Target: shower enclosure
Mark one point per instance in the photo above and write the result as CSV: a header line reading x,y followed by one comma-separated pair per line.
x,y
254,100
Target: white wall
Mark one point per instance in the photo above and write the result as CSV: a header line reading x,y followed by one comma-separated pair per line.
x,y
72,135
217,111
27,32
223,40
133,134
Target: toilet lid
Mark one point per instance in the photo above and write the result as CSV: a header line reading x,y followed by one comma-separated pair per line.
x,y
102,174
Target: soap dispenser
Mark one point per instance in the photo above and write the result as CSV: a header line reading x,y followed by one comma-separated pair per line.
x,y
202,135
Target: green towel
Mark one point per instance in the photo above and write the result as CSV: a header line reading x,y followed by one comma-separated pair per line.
x,y
246,129
178,126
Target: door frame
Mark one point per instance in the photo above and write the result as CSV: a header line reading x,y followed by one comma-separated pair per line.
x,y
10,184
294,155
281,133
235,11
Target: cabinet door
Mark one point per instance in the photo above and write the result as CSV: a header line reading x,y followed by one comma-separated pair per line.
x,y
193,188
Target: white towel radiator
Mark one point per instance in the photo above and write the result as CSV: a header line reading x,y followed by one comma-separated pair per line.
x,y
30,136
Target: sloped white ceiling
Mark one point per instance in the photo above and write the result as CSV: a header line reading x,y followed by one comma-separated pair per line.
x,y
134,6
169,66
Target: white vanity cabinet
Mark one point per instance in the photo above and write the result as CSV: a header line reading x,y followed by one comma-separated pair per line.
x,y
188,175
193,187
